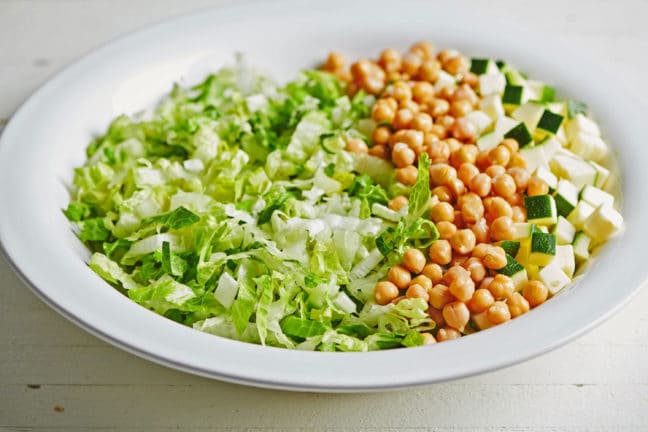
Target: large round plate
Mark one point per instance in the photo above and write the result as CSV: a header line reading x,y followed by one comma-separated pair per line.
x,y
47,137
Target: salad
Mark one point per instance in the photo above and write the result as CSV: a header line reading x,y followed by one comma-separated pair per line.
x,y
404,201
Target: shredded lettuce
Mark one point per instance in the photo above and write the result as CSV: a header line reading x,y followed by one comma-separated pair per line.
x,y
234,209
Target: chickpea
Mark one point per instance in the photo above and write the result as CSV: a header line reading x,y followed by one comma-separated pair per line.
x,y
403,118
379,151
373,84
495,170
390,60
476,269
399,276
440,296
466,172
411,105
390,101
334,61
434,272
517,305
439,107
456,65
502,228
481,300
413,138
504,185
462,287
402,155
356,145
428,339
481,250
446,93
414,260
511,144
441,212
482,161
437,150
447,121
459,260
385,292
537,186
417,291
465,93
520,177
484,284
381,135
442,174
519,214
470,79
472,208
457,187
480,184
463,241
501,287
382,112
411,63
464,130
535,292
494,258
498,313
443,193
464,154
423,281
447,333
440,252
407,175
437,316
517,199
447,54
456,315
517,161
400,91
422,92
361,69
398,202
423,49
453,272
446,229
460,108
481,231
422,122
439,131
500,155
429,70
499,207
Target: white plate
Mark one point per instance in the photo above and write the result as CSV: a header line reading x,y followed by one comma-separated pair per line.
x,y
47,137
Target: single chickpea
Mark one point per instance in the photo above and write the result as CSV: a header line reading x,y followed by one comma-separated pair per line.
x,y
476,269
517,161
481,185
456,65
504,185
414,139
390,60
495,170
422,122
399,276
411,63
464,130
500,155
403,118
447,54
385,292
511,144
398,202
446,229
499,207
482,161
501,287
472,208
447,333
481,231
381,135
379,151
465,93
411,105
517,305
390,101
434,272
382,112
462,288
400,91
407,175
429,70
402,155
442,211
439,131
466,153
519,214
498,313
442,174
439,107
456,315
446,121
453,272
437,149
423,49
463,241
428,339
537,186
334,61
470,79
502,228
446,93
481,300
422,91
440,296
440,252
466,172
460,108
443,193
484,284
423,281
373,84
535,292
494,258
356,145
457,187
437,316
414,260
417,291
360,69
481,249
520,177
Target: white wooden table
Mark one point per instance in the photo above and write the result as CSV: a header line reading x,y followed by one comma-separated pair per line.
x,y
55,376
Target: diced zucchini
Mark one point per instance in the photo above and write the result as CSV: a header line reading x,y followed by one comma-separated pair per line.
x,y
548,124
573,168
515,271
480,66
529,113
581,246
579,215
513,76
554,278
532,270
595,196
511,247
492,106
566,197
513,95
480,120
444,80
540,154
521,134
581,123
541,91
543,248
481,321
490,140
547,176
522,230
603,223
575,107
602,175
564,231
492,83
541,209
589,146
565,259
558,108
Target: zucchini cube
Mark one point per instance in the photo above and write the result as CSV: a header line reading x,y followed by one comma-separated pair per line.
x,y
521,134
541,209
513,95
549,124
479,66
564,231
554,278
511,247
543,248
566,197
581,246
515,271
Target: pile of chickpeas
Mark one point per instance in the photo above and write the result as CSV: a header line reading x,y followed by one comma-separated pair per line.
x,y
476,195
